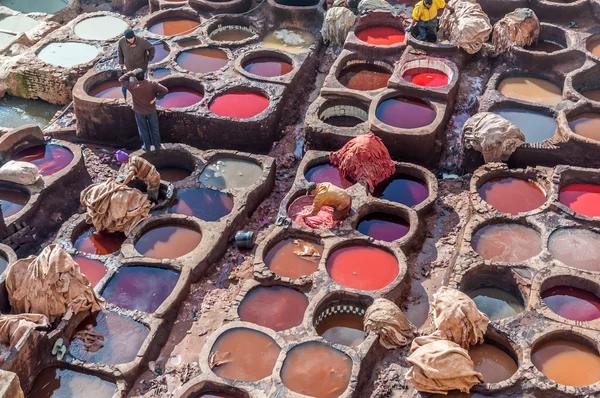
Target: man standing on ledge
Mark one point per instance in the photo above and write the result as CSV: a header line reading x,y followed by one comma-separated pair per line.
x,y
134,52
425,16
144,94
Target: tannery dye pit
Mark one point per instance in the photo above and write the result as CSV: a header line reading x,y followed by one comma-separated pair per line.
x,y
13,200
364,77
94,242
203,203
362,267
239,105
65,383
180,97
512,195
405,113
174,27
567,362
572,303
278,308
327,173
381,36
168,241
403,189
382,226
202,60
294,258
49,159
511,243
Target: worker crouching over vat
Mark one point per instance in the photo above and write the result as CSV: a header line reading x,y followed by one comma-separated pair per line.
x,y
327,194
142,169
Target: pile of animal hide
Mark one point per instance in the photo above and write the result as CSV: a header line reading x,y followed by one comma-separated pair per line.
x,y
518,28
492,135
384,318
468,27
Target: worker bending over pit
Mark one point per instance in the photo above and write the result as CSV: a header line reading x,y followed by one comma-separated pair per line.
x,y
425,17
143,170
327,194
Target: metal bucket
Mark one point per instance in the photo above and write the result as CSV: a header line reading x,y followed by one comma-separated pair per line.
x,y
244,239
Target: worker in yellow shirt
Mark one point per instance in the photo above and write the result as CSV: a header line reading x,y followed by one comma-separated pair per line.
x,y
425,17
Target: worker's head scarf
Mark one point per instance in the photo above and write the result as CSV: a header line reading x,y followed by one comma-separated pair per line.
x,y
311,187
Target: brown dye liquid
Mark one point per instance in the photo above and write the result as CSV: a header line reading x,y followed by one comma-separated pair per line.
x,y
66,383
364,77
231,35
276,307
342,328
531,89
510,243
494,364
593,95
283,260
586,125
594,47
172,174
316,370
168,241
244,355
567,362
577,248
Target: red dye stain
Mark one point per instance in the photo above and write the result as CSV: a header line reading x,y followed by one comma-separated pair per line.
x,y
362,267
426,77
383,226
278,308
161,52
364,77
102,243
572,303
512,195
180,97
406,113
239,105
110,89
94,270
381,36
403,189
268,67
327,173
174,27
202,60
49,158
582,198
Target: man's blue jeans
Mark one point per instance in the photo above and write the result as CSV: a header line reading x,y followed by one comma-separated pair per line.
x,y
427,27
148,129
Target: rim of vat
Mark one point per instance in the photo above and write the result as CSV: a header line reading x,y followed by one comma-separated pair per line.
x,y
564,120
567,175
203,384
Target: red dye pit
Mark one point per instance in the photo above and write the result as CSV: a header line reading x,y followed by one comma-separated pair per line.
x,y
278,308
65,383
239,105
572,303
512,195
426,77
383,226
362,267
168,241
161,51
94,270
364,77
511,243
327,173
268,67
405,113
174,27
180,97
13,200
140,288
381,36
582,198
293,258
94,242
202,60
203,203
49,159
403,189
173,174
110,90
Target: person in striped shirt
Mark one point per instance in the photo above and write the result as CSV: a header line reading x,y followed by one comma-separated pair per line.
x,y
141,169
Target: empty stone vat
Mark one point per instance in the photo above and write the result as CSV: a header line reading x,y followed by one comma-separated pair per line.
x,y
343,113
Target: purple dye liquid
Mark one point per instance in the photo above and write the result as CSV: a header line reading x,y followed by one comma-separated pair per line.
x,y
180,97
49,158
327,173
403,189
406,113
162,51
572,303
203,203
383,226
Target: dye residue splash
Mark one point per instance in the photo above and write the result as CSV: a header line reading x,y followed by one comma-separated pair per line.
x,y
426,77
268,67
140,288
277,307
510,243
293,41
342,328
572,303
202,60
173,174
231,173
586,125
496,303
577,248
406,113
531,89
168,241
403,189
381,36
362,267
174,27
203,203
244,355
180,97
512,195
535,126
94,270
65,383
49,158
13,200
293,258
316,370
582,199
94,242
239,105
110,90
567,362
364,77
327,173
383,226
16,112
109,339
493,363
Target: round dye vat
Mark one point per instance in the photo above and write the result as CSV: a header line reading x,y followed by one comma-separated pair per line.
x,y
577,248
426,77
13,200
65,383
232,33
27,6
545,46
572,303
160,73
180,97
174,27
239,105
364,77
567,362
535,126
94,270
203,203
94,242
189,43
100,28
140,288
293,258
493,363
511,243
18,23
17,112
383,226
512,195
6,38
593,46
403,189
405,113
168,241
582,199
593,95
202,60
173,174
294,41
3,263
362,267
316,370
344,328
122,339
68,55
111,89
268,67
243,354
231,173
531,89
586,125
161,51
496,303
381,36
278,308
327,173
49,159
